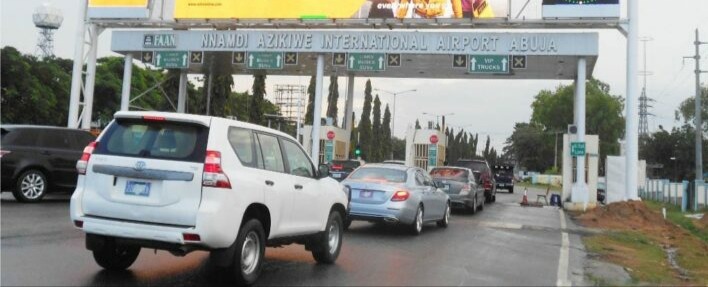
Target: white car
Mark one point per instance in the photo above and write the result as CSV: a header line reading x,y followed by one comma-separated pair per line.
x,y
182,182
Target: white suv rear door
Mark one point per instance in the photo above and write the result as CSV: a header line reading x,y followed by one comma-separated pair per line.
x,y
307,209
147,170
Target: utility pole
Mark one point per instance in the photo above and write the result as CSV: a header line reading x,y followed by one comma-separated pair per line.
x,y
698,109
644,99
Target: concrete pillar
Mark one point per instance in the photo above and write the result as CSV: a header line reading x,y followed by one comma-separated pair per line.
x,y
349,106
182,94
76,74
90,77
580,189
317,112
127,76
632,124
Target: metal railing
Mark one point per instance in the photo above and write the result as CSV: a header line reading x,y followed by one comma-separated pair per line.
x,y
688,195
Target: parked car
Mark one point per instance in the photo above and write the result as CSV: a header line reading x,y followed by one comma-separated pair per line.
x,y
462,185
340,169
181,183
486,177
37,160
396,194
504,177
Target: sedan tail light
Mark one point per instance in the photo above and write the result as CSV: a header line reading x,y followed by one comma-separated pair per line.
x,y
82,164
213,175
466,189
4,152
401,195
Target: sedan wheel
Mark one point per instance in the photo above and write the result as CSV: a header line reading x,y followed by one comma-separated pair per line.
x,y
417,226
445,221
31,186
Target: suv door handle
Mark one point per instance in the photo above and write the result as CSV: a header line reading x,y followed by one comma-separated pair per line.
x,y
269,183
297,186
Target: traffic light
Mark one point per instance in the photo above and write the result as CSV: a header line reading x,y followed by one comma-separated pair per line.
x,y
357,151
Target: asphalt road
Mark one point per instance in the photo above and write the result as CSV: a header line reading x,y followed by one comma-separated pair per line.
x,y
503,245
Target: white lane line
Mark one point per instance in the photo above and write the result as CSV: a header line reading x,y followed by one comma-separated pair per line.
x,y
564,255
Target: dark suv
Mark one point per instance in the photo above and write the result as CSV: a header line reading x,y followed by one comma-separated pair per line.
x,y
504,177
486,177
39,159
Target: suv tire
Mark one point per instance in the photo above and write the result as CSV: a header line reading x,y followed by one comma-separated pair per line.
x,y
30,186
327,244
112,256
248,254
347,223
511,190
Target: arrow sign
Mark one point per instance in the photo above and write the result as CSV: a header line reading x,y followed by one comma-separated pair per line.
x,y
371,62
238,58
265,60
147,57
171,59
489,64
338,59
459,61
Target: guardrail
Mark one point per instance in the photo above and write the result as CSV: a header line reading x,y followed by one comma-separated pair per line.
x,y
677,193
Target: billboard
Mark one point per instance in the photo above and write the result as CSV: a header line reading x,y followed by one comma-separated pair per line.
x,y
118,9
341,9
581,9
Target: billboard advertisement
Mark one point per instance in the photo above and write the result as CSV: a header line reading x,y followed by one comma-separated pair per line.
x,y
341,9
118,9
560,9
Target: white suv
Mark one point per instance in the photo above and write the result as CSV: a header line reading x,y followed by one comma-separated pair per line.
x,y
182,182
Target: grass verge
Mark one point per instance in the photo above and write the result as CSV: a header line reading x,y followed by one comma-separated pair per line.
x,y
674,214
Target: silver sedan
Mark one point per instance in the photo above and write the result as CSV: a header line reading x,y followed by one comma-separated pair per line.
x,y
396,194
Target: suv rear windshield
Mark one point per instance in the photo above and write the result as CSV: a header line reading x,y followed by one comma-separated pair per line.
x,y
155,139
379,174
473,165
455,174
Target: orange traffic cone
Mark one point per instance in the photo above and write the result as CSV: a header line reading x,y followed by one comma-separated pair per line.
x,y
525,200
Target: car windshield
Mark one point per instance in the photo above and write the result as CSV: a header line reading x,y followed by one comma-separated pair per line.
x,y
379,174
455,174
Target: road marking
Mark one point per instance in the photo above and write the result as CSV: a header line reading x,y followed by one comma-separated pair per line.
x,y
563,258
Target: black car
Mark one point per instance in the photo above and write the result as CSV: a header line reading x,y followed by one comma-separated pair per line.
x,y
486,177
340,169
504,177
39,159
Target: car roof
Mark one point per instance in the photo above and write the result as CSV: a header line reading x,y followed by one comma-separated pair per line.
x,y
452,167
388,166
200,119
13,127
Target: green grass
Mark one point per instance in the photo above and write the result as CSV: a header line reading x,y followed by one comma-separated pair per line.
x,y
645,259
674,214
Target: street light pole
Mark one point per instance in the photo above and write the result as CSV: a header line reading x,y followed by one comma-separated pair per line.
x,y
393,116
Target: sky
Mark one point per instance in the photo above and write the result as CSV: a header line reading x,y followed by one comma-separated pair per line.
x,y
487,107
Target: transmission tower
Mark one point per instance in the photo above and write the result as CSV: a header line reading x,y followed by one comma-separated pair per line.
x,y
644,100
47,19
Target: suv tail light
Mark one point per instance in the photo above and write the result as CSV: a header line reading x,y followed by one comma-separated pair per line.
x,y
487,184
82,164
401,195
213,174
337,167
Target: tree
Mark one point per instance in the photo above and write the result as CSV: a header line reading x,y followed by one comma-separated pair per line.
x,y
309,115
399,149
353,140
386,140
417,124
255,111
486,152
531,146
222,83
687,109
365,134
333,99
553,112
377,133
674,151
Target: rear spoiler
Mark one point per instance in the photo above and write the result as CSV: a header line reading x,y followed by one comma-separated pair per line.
x,y
160,116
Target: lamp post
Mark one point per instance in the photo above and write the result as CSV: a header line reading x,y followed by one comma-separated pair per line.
x,y
393,117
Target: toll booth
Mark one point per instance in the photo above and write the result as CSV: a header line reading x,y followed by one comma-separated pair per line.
x,y
591,155
334,142
425,148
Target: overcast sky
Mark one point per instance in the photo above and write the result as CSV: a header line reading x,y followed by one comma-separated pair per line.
x,y
487,107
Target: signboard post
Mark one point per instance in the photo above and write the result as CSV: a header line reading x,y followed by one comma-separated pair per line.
x,y
489,64
366,62
265,60
171,59
329,151
432,155
577,149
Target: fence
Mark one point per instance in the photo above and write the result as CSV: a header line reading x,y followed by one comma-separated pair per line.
x,y
676,193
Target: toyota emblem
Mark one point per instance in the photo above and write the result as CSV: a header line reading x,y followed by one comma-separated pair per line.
x,y
140,165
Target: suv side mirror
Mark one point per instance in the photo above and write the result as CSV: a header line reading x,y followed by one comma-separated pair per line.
x,y
323,171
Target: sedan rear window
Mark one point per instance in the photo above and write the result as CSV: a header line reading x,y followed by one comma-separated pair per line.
x,y
158,140
450,173
379,174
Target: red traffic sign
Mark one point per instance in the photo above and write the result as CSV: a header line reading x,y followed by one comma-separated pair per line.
x,y
330,135
434,139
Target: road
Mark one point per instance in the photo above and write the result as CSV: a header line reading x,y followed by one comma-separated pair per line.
x,y
504,245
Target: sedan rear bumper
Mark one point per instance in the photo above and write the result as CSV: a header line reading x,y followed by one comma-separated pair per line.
x,y
393,212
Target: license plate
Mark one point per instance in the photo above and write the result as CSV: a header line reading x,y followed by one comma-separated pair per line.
x,y
446,187
337,175
366,194
137,188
